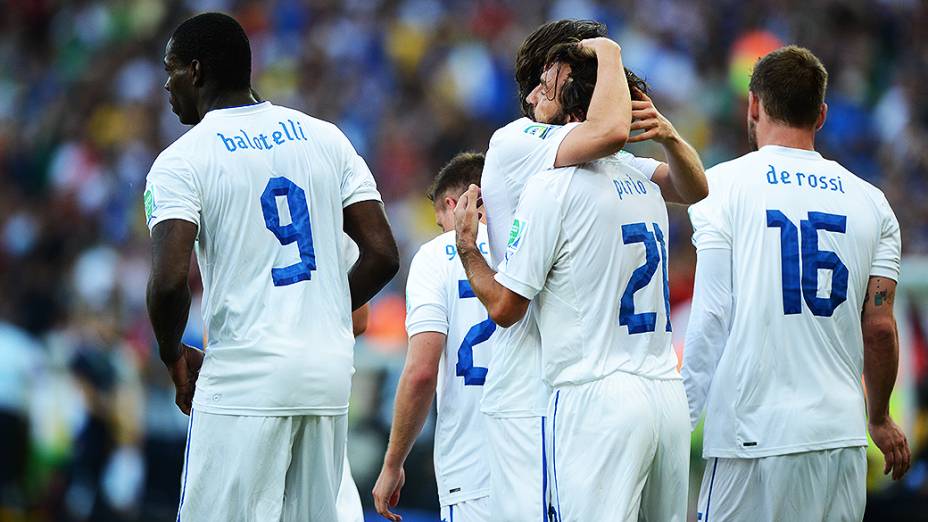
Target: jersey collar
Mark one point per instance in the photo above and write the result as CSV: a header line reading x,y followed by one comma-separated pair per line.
x,y
789,151
236,111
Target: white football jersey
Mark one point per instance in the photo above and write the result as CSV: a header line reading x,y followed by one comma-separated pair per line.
x,y
439,299
805,235
517,152
591,243
266,186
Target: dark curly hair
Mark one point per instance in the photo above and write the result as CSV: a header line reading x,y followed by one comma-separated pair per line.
x,y
577,91
533,53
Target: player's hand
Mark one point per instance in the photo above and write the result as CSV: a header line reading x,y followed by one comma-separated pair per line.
x,y
184,373
646,118
387,491
892,442
595,46
467,214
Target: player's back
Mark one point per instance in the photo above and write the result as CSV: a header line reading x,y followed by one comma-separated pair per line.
x,y
269,185
604,306
440,299
806,235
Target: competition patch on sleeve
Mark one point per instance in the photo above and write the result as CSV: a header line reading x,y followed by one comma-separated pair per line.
x,y
538,130
149,206
515,237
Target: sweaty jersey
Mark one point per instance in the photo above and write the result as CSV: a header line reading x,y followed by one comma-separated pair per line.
x,y
439,299
266,186
590,243
805,235
517,152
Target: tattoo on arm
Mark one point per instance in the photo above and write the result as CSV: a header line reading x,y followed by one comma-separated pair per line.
x,y
881,297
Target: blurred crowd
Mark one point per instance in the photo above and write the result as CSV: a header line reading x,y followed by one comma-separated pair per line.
x,y
88,428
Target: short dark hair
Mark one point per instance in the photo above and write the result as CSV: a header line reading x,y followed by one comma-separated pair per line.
x,y
463,170
221,46
577,92
790,83
533,53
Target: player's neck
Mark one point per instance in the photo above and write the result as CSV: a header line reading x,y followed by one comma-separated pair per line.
x,y
784,136
223,100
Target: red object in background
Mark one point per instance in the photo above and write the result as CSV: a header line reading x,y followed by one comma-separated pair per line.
x,y
919,342
386,326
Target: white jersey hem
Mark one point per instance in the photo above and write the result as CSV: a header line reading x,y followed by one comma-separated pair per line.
x,y
245,411
709,453
514,414
456,498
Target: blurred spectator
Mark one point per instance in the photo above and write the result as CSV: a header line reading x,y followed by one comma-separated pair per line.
x,y
87,419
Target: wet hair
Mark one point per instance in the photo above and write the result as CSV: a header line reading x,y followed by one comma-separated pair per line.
x,y
221,46
790,83
459,173
533,53
577,92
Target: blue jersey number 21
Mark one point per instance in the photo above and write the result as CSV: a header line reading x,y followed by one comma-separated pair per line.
x,y
655,252
480,332
298,230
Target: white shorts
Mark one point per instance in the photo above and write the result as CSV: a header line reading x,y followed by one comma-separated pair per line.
x,y
256,469
517,461
618,449
473,510
817,485
349,500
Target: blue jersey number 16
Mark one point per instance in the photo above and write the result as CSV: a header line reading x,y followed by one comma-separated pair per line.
x,y
813,260
480,332
298,230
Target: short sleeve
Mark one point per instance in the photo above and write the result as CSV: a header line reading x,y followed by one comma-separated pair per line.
x,y
525,146
426,302
171,192
350,252
709,217
646,166
888,255
533,241
357,181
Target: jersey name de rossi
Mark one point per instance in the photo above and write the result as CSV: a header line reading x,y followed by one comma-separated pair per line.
x,y
804,179
289,131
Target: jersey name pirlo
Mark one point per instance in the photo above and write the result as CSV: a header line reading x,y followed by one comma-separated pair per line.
x,y
589,245
517,152
266,186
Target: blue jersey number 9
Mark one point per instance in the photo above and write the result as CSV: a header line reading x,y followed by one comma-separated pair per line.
x,y
298,230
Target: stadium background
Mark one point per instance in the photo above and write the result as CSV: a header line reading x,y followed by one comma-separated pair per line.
x,y
87,419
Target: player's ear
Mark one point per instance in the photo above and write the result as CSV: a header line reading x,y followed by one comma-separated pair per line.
x,y
753,106
196,70
822,114
450,202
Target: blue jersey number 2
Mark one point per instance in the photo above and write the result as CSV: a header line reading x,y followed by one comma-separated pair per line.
x,y
480,332
655,252
813,260
298,230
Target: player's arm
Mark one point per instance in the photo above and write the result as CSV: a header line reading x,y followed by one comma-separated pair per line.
x,y
359,320
410,410
682,179
379,260
608,119
881,361
504,306
168,298
708,328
